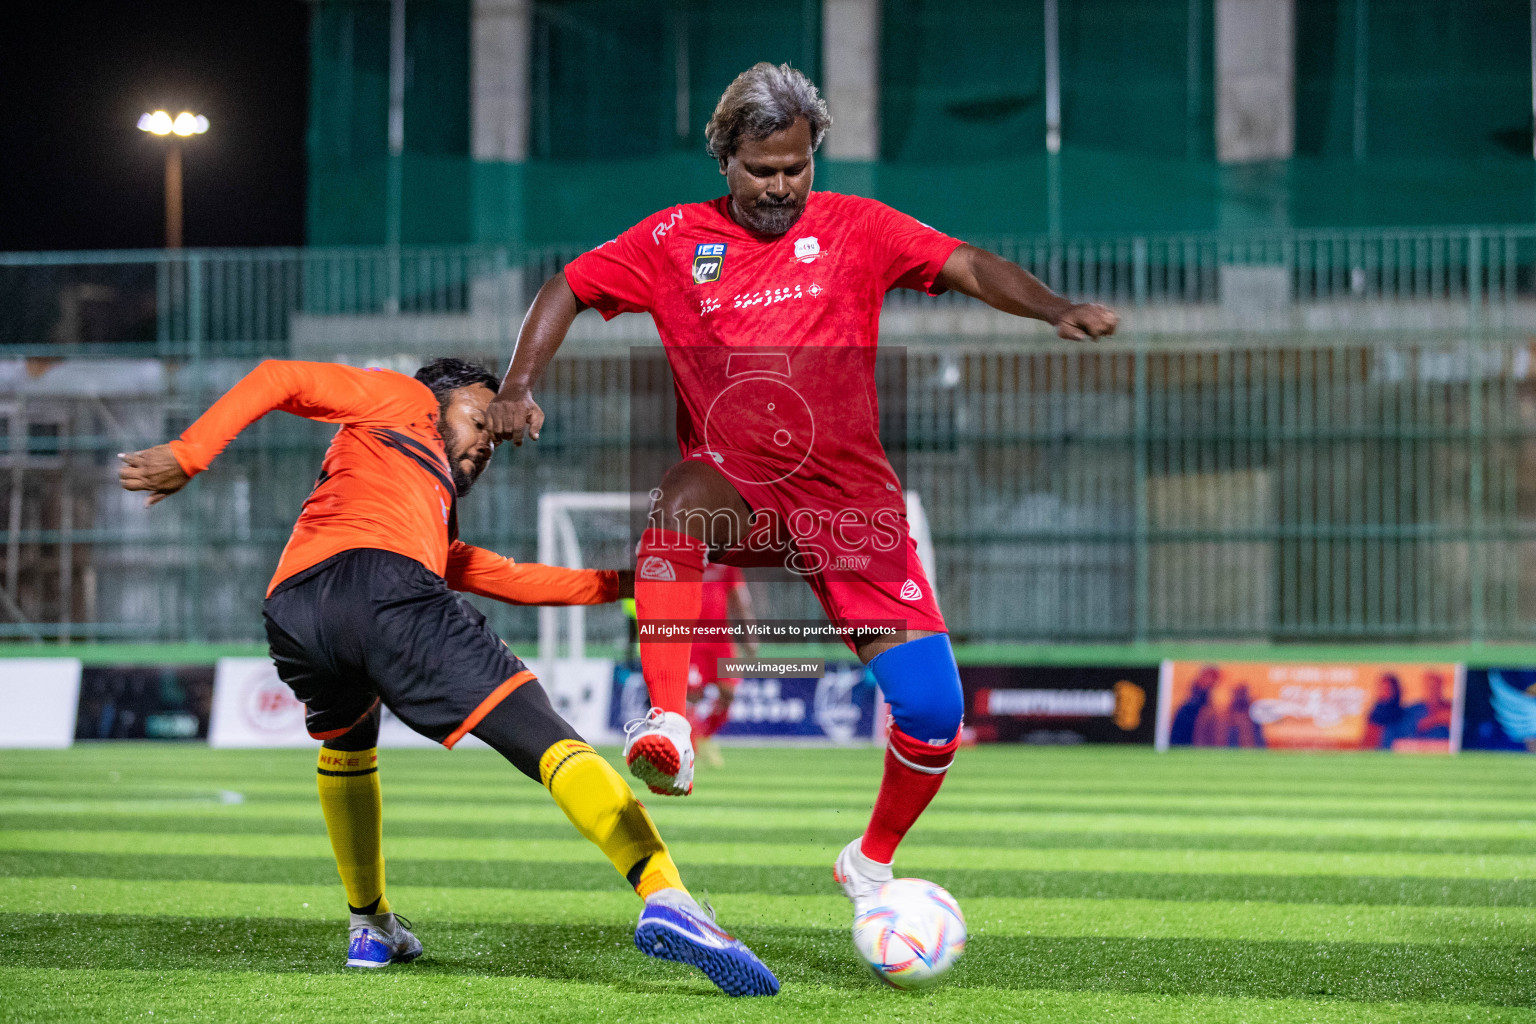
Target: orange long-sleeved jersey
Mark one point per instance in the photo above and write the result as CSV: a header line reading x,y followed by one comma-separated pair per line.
x,y
385,482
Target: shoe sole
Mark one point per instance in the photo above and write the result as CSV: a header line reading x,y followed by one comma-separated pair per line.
x,y
734,974
402,958
654,761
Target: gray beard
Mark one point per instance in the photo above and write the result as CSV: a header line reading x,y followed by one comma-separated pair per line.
x,y
770,220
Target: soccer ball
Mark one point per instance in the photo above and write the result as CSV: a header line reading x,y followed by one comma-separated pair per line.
x,y
912,935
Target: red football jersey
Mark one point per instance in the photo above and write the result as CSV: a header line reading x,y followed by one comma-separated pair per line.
x,y
772,339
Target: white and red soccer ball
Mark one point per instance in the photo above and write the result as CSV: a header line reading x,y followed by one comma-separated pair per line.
x,y
912,935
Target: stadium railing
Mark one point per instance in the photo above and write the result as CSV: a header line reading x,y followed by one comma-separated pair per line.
x,y
202,303
1306,435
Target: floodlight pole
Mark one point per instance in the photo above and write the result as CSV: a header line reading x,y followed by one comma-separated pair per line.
x,y
172,130
395,186
1053,116
172,195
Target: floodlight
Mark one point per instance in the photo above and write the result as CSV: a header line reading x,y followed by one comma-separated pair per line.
x,y
157,123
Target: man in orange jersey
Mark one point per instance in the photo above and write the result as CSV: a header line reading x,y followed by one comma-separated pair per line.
x,y
361,611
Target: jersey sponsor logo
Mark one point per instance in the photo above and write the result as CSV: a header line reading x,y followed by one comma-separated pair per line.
x,y
656,568
807,249
660,230
910,591
708,262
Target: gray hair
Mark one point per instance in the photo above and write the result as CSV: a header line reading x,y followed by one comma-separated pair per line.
x,y
764,99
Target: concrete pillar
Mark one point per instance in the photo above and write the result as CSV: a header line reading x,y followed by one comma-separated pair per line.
x,y
1255,80
498,98
850,77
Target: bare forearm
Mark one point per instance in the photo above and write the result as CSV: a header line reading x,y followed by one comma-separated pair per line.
x,y
553,311
1012,289
513,414
1003,285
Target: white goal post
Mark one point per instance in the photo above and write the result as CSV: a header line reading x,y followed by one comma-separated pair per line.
x,y
560,543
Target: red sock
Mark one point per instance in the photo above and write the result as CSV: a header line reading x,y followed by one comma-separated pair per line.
x,y
669,586
914,771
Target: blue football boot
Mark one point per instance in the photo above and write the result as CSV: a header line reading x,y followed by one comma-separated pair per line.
x,y
377,942
673,927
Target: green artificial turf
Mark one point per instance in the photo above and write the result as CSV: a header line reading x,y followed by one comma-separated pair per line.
x,y
168,883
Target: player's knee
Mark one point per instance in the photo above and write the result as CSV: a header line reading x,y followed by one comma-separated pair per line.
x,y
523,727
364,734
695,501
921,683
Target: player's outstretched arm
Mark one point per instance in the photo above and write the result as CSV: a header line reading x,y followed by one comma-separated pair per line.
x,y
473,570
1012,289
513,412
318,391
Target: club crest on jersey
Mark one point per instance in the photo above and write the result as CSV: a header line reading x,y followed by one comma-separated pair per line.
x,y
708,262
807,249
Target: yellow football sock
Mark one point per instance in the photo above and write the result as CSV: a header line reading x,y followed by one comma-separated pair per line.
x,y
354,819
604,810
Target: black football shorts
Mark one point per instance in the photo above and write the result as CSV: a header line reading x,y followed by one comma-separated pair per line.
x,y
369,625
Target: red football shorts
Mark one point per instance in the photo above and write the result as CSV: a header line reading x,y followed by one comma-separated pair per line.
x,y
858,556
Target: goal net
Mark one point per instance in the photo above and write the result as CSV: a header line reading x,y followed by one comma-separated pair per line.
x,y
584,529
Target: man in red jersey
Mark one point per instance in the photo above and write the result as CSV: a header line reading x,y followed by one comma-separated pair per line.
x,y
768,302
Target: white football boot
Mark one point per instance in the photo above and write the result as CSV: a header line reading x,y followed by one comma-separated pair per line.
x,y
659,752
860,877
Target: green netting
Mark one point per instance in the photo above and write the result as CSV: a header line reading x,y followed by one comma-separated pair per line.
x,y
349,114
970,84
1437,79
1446,118
605,74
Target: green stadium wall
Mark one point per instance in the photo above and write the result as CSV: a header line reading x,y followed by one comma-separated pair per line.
x,y
1446,101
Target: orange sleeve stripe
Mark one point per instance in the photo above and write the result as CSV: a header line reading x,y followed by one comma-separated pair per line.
x,y
495,697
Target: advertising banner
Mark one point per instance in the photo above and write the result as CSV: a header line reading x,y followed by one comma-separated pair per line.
x,y
839,707
1406,708
1500,709
1059,704
252,707
138,702
38,701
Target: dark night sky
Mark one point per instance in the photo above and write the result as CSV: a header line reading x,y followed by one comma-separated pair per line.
x,y
75,172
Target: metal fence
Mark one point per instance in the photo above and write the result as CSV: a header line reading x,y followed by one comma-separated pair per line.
x,y
1324,437
240,303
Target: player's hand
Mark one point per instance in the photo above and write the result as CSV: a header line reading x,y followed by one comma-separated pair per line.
x,y
510,415
1086,320
152,469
